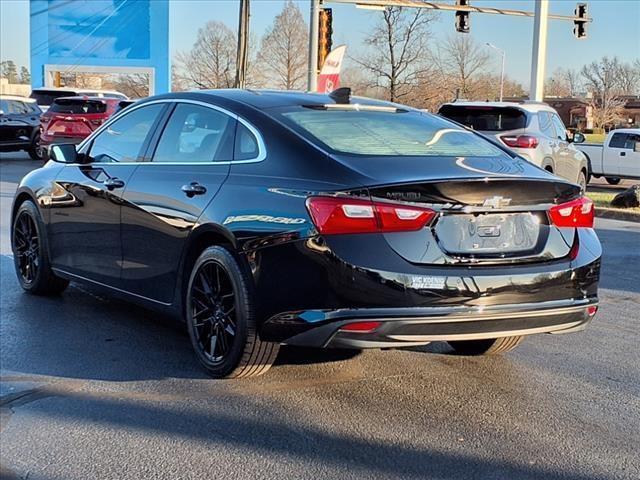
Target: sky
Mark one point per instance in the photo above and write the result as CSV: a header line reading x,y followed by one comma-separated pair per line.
x,y
614,30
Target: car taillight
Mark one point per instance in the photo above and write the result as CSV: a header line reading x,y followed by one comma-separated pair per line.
x,y
576,213
336,215
520,141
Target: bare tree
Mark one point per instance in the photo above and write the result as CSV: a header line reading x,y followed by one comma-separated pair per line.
x,y
461,59
211,61
398,51
602,79
283,51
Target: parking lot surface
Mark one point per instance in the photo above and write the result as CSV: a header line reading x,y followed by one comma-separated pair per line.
x,y
93,388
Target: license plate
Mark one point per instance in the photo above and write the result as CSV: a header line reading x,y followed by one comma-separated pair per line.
x,y
488,233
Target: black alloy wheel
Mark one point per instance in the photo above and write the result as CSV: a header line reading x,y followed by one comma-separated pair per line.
x,y
27,247
35,151
213,311
30,253
221,318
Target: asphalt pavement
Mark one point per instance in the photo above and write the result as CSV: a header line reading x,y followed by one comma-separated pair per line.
x,y
93,388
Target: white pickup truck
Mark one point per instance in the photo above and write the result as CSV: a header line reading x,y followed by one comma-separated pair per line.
x,y
617,158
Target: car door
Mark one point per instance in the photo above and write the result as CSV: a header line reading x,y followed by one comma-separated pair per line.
x,y
614,153
189,161
566,164
18,122
630,157
84,219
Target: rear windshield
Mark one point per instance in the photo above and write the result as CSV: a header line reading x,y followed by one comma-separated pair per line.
x,y
46,97
486,119
387,133
78,106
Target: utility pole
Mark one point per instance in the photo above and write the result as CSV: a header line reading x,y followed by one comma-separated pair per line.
x,y
539,53
243,48
314,20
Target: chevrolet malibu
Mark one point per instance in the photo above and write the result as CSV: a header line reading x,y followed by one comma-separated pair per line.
x,y
263,218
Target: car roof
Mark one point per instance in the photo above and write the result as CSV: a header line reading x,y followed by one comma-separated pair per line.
x,y
17,97
263,99
626,130
524,106
72,89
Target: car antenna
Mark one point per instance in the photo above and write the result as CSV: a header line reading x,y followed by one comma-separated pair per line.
x,y
341,95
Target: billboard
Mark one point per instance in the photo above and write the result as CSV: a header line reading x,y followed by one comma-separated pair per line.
x,y
107,36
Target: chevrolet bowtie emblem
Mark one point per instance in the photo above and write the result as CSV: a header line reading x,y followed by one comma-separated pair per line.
x,y
496,202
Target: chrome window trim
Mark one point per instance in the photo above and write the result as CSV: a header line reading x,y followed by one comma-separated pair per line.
x,y
262,148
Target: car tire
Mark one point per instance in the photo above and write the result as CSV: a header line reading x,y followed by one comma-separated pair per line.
x,y
221,318
491,346
612,180
31,254
34,151
582,180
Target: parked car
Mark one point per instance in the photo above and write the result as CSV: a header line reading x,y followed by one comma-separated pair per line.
x,y
46,95
617,158
72,119
262,218
19,125
533,130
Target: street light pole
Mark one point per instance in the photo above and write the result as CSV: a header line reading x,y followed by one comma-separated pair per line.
x,y
539,54
503,53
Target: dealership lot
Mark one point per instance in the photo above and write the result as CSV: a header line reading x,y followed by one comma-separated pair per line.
x,y
94,388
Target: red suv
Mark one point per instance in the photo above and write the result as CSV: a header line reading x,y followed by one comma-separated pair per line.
x,y
72,119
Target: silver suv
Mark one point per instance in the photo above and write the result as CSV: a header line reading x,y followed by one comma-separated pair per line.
x,y
533,130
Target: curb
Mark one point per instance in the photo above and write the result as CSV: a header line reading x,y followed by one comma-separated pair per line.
x,y
617,214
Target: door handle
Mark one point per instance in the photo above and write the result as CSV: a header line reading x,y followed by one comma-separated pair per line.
x,y
194,188
112,183
623,154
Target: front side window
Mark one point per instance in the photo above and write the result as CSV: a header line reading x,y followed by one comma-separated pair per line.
x,y
632,139
122,140
387,133
196,134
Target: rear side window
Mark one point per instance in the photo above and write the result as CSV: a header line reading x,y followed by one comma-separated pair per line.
x,y
246,145
196,134
78,106
618,140
385,133
546,126
122,141
486,119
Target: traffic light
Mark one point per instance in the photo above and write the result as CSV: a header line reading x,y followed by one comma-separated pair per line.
x,y
580,26
324,35
462,17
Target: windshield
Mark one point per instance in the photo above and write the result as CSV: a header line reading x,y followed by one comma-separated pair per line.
x,y
485,119
78,106
387,133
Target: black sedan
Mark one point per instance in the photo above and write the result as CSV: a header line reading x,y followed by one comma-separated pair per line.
x,y
264,218
20,125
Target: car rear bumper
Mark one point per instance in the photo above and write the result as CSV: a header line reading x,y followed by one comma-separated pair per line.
x,y
417,326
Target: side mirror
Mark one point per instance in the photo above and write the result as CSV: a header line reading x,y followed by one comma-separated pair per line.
x,y
63,153
578,138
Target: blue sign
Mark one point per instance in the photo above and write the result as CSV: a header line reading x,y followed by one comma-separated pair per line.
x,y
101,34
